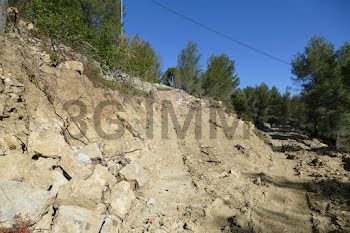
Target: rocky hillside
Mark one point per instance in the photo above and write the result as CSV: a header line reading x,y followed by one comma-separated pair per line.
x,y
77,156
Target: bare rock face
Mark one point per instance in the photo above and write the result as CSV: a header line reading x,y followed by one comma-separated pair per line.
x,y
134,172
83,193
78,220
121,198
73,65
19,198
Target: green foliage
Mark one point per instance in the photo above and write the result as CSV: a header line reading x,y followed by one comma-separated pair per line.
x,y
239,102
220,79
188,69
93,27
94,74
324,74
261,136
262,103
169,77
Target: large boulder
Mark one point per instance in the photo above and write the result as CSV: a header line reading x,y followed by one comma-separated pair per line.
x,y
78,220
17,198
83,193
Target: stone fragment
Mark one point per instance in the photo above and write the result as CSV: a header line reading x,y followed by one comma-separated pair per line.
x,y
111,225
58,180
92,151
14,166
121,199
83,193
38,178
84,158
44,223
76,219
73,65
73,167
101,173
134,172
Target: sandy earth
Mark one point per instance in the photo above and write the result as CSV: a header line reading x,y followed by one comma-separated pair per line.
x,y
226,184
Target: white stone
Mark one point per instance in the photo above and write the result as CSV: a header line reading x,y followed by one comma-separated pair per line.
x,y
151,201
84,158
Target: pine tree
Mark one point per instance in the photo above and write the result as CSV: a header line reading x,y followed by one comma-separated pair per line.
x,y
220,79
169,77
239,102
188,69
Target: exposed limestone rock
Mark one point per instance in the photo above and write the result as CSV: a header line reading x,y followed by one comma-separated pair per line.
x,y
58,180
48,144
73,65
92,150
83,193
45,137
101,173
19,198
121,198
38,178
44,224
111,225
46,163
73,167
78,220
134,172
14,166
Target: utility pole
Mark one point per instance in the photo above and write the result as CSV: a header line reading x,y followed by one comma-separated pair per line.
x,y
3,16
121,17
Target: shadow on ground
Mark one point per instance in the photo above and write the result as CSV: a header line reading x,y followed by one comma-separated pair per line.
x,y
329,198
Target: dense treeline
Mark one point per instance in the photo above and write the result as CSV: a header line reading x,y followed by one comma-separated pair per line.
x,y
217,82
324,74
92,25
322,108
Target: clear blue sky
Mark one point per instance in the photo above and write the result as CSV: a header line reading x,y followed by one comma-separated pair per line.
x,y
280,28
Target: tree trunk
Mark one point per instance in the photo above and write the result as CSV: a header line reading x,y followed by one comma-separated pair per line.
x,y
3,16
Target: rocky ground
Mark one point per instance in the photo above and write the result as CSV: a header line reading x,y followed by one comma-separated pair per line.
x,y
145,180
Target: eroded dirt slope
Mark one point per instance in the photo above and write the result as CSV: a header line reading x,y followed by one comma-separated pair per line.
x,y
144,181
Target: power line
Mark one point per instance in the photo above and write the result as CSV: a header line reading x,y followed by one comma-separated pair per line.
x,y
219,33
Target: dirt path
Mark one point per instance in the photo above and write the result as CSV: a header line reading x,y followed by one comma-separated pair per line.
x,y
238,185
